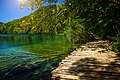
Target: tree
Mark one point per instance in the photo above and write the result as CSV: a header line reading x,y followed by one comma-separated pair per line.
x,y
99,17
36,3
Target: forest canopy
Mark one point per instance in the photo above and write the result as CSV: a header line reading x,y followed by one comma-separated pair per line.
x,y
100,17
79,20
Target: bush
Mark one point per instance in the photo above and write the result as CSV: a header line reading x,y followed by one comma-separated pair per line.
x,y
116,45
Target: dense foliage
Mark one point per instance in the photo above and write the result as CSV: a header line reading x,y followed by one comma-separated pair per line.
x,y
2,28
116,45
80,20
40,21
100,18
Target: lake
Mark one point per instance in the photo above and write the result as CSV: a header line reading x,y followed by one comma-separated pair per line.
x,y
31,57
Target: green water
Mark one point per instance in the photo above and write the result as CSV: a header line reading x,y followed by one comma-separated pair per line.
x,y
31,57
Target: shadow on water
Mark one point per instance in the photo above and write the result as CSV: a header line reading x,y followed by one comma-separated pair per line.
x,y
91,69
36,71
17,41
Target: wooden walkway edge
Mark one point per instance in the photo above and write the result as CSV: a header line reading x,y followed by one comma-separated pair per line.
x,y
92,61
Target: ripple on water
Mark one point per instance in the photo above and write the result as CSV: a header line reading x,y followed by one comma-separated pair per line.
x,y
37,55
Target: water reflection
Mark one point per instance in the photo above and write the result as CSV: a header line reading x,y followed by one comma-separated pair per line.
x,y
31,56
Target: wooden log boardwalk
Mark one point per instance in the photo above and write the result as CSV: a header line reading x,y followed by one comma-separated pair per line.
x,y
92,61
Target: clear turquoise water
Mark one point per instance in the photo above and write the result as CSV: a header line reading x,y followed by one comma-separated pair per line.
x,y
31,57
